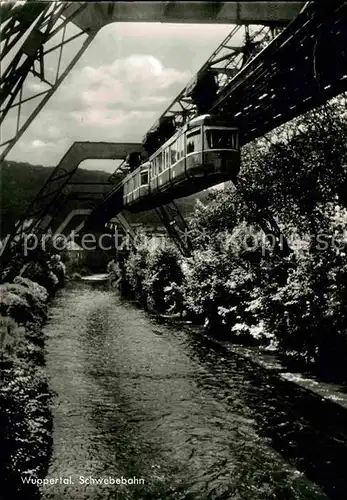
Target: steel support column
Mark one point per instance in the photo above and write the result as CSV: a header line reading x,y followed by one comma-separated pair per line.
x,y
31,35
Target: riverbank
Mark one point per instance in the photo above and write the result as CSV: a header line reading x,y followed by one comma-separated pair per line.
x,y
136,398
25,397
330,391
271,360
311,429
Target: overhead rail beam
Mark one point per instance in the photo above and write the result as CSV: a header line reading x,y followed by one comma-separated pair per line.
x,y
299,69
225,62
305,66
38,37
56,186
34,41
267,13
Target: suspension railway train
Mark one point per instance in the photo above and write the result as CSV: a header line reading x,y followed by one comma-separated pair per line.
x,y
204,152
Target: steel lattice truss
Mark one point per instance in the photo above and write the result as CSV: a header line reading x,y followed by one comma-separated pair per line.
x,y
44,23
34,37
305,66
241,45
176,226
302,67
60,189
263,85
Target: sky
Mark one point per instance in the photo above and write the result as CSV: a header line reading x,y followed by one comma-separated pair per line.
x,y
123,82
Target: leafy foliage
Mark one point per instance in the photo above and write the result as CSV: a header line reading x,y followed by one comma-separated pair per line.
x,y
25,419
163,270
269,253
147,272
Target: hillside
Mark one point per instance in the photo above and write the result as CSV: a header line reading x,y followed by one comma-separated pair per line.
x,y
20,183
185,205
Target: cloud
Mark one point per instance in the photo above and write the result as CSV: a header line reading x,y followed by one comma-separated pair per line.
x,y
118,89
138,79
37,143
112,102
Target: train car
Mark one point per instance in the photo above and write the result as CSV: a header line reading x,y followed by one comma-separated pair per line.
x,y
136,186
203,153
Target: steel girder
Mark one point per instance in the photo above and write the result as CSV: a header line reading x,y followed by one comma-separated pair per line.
x,y
59,188
272,12
34,36
261,86
33,32
301,69
241,45
176,227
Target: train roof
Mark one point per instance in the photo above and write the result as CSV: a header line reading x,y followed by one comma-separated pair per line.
x,y
206,119
209,120
139,169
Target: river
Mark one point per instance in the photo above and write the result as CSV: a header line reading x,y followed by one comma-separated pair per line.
x,y
155,405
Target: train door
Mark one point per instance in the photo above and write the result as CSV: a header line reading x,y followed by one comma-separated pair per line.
x,y
131,190
144,181
194,163
154,173
162,168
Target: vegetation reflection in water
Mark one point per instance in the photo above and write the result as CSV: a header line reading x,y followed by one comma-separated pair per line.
x,y
139,399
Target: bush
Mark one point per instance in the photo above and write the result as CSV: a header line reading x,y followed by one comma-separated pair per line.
x,y
163,271
25,420
307,312
8,336
42,275
286,289
133,272
217,291
39,293
15,306
40,264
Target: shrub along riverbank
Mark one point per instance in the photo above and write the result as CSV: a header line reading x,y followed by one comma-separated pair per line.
x,y
25,418
269,260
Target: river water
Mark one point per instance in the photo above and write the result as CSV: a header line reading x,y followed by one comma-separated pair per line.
x,y
138,399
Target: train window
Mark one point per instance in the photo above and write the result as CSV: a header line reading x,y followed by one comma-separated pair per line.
x,y
194,142
182,146
144,178
159,164
221,139
167,154
190,146
174,152
164,160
